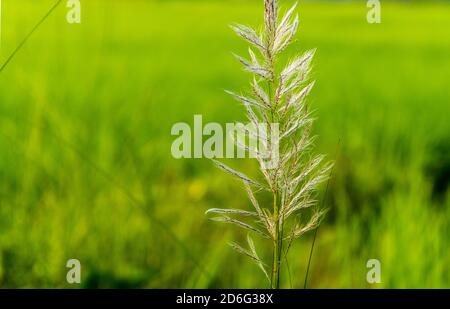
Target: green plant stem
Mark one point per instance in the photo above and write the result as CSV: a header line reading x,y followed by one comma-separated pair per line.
x,y
317,228
280,244
276,243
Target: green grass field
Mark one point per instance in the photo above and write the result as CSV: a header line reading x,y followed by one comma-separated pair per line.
x,y
86,170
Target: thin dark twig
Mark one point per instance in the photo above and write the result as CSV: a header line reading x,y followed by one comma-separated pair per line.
x,y
22,43
317,228
288,268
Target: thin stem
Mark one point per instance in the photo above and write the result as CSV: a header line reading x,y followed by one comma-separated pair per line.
x,y
310,256
280,243
278,234
277,241
287,267
22,43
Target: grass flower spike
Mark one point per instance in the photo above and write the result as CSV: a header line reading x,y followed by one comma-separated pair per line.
x,y
278,95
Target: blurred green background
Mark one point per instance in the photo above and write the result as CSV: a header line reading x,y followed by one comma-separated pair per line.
x,y
86,170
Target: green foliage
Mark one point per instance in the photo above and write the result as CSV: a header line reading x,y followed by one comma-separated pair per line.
x,y
85,164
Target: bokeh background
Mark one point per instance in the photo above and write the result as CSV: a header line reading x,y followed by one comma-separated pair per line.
x,y
86,170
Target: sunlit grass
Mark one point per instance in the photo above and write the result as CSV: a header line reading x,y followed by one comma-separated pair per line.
x,y
85,118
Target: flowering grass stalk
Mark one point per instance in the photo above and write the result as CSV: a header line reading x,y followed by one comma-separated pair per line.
x,y
278,95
